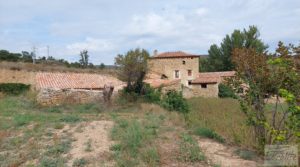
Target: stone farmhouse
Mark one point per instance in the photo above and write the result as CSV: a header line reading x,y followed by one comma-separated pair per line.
x,y
170,71
182,69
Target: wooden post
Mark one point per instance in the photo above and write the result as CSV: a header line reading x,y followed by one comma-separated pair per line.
x,y
107,93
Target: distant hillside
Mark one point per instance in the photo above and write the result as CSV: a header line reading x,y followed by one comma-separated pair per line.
x,y
22,66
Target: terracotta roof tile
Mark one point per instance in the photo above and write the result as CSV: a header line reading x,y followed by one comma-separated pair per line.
x,y
212,77
74,80
177,54
201,80
217,74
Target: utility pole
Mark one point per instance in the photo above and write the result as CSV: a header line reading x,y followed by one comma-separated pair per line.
x,y
48,48
33,54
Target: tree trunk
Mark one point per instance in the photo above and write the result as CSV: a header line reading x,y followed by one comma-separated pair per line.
x,y
260,131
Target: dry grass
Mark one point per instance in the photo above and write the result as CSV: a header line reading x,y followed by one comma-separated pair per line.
x,y
224,117
20,66
158,131
14,76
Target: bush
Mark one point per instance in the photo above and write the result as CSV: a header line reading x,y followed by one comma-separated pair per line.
x,y
13,88
126,96
150,94
174,101
226,91
205,132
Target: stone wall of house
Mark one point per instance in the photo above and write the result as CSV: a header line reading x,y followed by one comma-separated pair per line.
x,y
196,90
167,66
49,97
175,86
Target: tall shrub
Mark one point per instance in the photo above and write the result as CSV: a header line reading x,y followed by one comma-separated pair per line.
x,y
174,101
225,91
13,88
269,76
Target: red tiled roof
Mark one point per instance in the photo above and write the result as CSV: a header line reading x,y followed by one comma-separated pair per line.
x,y
212,77
217,74
74,80
177,54
201,80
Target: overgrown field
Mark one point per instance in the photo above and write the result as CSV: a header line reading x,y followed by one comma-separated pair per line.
x,y
120,135
224,117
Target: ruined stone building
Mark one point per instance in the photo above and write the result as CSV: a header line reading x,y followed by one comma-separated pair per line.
x,y
182,70
73,88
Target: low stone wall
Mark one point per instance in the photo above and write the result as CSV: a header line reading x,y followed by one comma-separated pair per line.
x,y
48,97
211,90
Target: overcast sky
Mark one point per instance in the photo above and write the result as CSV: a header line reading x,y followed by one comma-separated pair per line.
x,y
109,27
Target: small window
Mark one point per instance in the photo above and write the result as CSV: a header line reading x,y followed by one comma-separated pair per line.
x,y
183,62
203,85
189,72
163,76
176,73
190,82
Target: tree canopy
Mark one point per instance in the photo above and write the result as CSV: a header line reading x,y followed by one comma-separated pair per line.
x,y
220,57
84,58
265,76
133,68
7,56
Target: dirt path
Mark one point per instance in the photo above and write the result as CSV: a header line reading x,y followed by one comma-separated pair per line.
x,y
168,148
91,142
222,155
216,154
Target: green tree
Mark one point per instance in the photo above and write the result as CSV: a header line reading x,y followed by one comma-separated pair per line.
x,y
84,58
102,66
220,57
7,56
296,51
132,69
27,57
263,77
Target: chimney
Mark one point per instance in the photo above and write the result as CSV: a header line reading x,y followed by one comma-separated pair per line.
x,y
155,52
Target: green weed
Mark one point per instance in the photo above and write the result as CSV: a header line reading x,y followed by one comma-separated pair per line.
x,y
53,110
133,135
80,162
189,149
116,147
71,119
206,132
60,148
21,120
151,157
52,162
